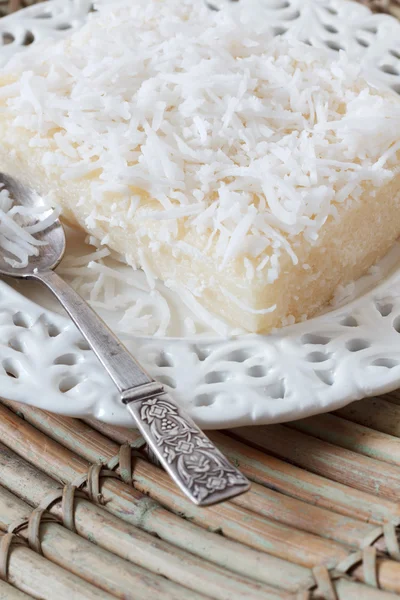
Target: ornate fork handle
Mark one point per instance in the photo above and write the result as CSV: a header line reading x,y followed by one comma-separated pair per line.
x,y
196,465
191,459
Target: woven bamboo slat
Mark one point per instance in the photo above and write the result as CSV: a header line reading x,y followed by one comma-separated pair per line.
x,y
19,477
271,503
393,397
363,473
136,509
91,563
38,577
256,532
7,592
23,442
260,500
286,478
95,524
376,413
352,436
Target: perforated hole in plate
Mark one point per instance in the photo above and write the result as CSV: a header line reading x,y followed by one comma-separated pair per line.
x,y
279,30
238,356
384,308
325,376
15,344
370,29
395,53
163,360
53,330
349,321
275,390
396,88
390,69
22,320
201,353
7,38
29,38
168,381
217,376
318,357
11,368
364,43
83,345
357,345
44,15
331,10
64,26
67,359
282,5
257,371
330,28
292,17
315,339
204,400
69,382
334,45
388,363
396,324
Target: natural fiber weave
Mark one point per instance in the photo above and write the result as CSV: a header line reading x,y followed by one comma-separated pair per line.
x,y
84,514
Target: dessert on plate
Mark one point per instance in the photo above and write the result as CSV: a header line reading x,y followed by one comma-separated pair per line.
x,y
256,174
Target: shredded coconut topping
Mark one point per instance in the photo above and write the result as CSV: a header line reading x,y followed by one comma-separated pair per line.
x,y
245,141
18,227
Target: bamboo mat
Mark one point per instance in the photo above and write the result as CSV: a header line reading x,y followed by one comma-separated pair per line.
x,y
85,515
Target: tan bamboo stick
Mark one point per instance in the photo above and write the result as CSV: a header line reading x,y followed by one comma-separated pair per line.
x,y
303,517
14,5
394,10
23,441
91,563
238,524
94,523
393,397
121,435
265,502
354,591
124,501
272,504
38,577
354,437
158,486
8,592
339,464
28,478
289,479
376,413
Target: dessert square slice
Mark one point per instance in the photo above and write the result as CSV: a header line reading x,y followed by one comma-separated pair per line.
x,y
255,175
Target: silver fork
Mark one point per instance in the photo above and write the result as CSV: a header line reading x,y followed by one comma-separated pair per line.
x,y
201,471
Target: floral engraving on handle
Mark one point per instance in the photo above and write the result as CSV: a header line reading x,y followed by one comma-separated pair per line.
x,y
202,468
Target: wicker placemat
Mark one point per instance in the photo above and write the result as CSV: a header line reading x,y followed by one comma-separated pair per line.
x,y
85,515
83,512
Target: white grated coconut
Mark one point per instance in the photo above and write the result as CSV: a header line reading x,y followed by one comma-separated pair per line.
x,y
250,141
18,227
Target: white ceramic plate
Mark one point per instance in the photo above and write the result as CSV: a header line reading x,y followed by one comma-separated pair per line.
x,y
342,355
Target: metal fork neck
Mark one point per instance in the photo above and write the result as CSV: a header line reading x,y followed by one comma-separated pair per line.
x,y
143,392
